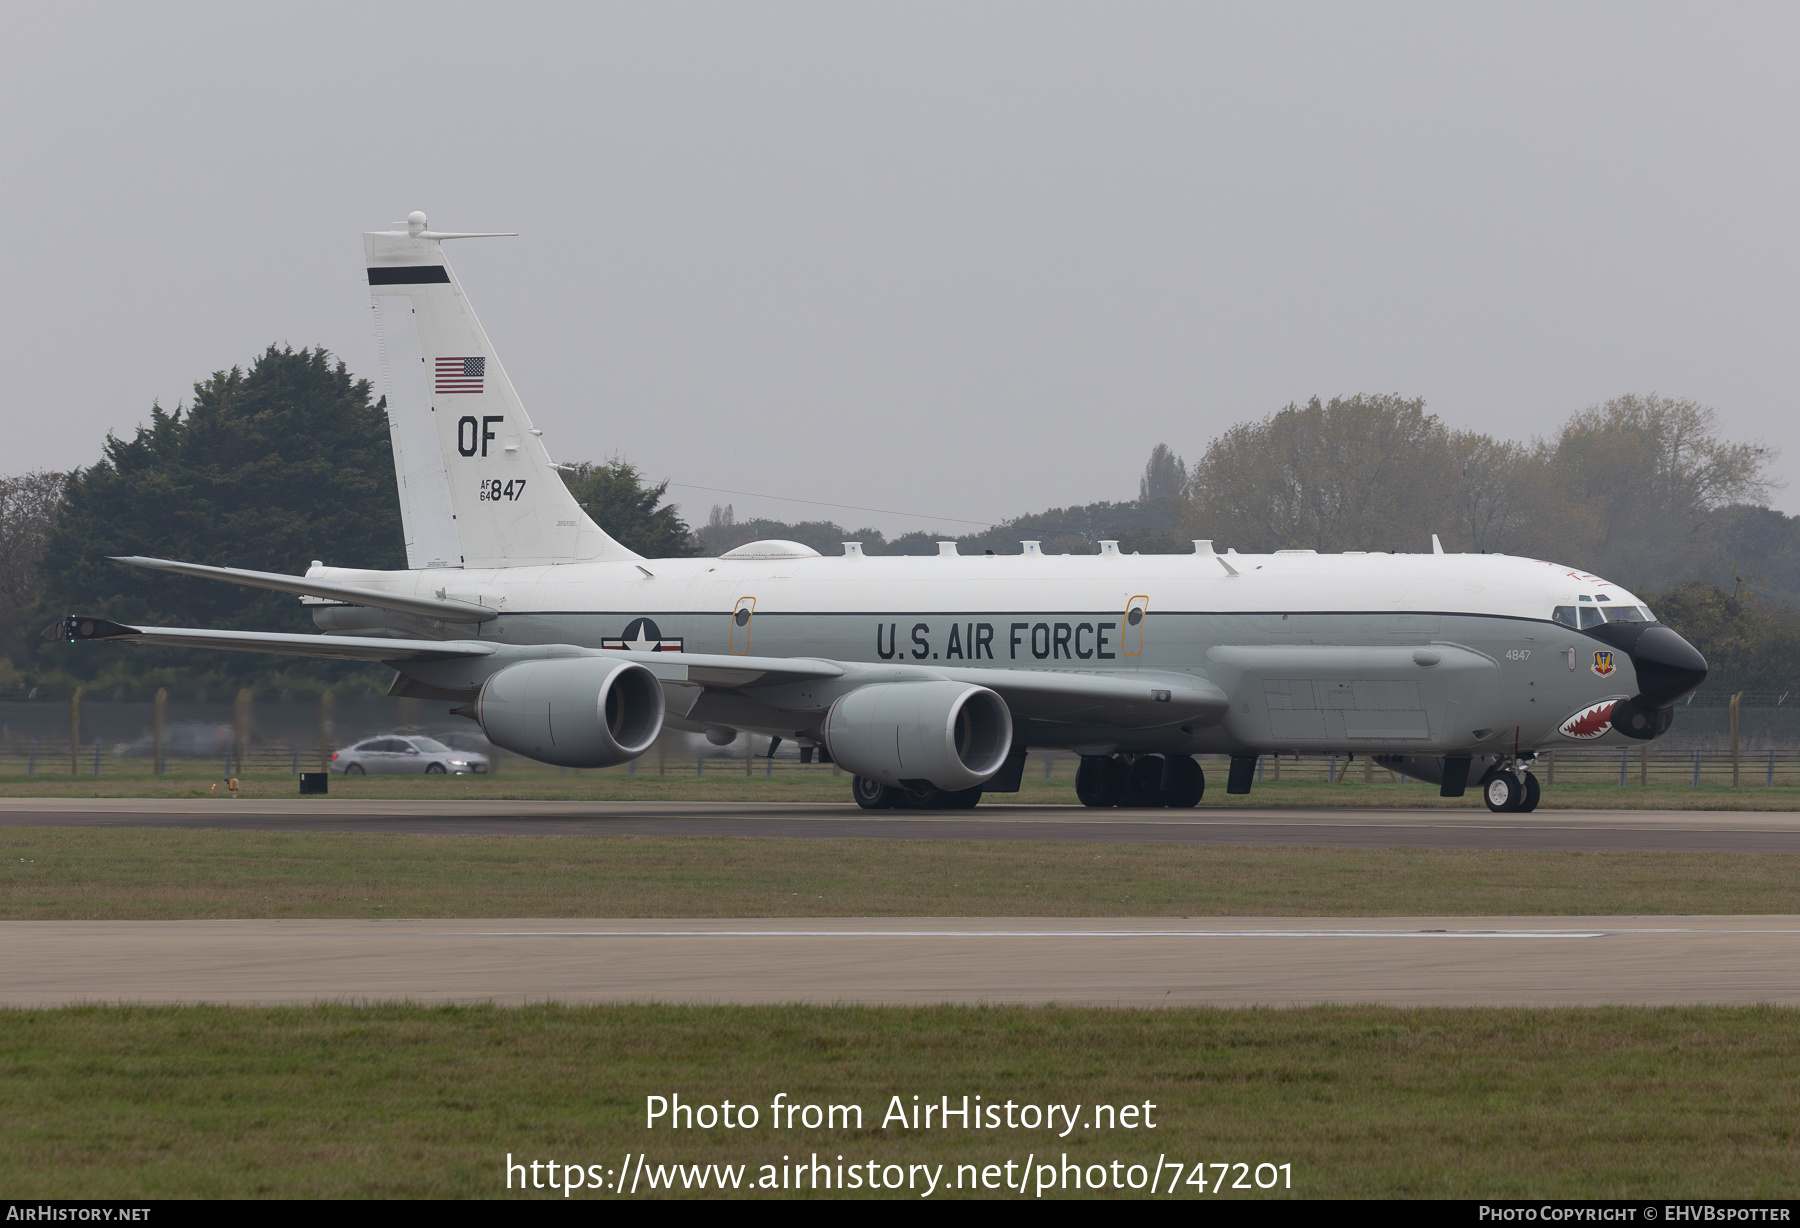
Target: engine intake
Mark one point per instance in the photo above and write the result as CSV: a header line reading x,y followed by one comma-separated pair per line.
x,y
950,734
573,712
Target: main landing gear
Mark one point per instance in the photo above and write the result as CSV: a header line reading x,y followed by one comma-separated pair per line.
x,y
1510,788
873,795
1140,781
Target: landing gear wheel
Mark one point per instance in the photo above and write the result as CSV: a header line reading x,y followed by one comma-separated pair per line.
x,y
1183,782
961,799
355,769
1143,783
1502,792
1100,780
434,769
1532,792
872,794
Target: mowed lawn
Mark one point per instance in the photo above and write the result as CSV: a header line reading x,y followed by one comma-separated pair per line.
x,y
403,1101
162,873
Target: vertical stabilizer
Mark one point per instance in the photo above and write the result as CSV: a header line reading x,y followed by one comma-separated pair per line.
x,y
476,485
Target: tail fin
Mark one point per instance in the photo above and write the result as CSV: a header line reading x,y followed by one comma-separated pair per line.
x,y
476,486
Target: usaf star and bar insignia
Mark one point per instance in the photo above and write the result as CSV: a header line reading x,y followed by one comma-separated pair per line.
x,y
643,635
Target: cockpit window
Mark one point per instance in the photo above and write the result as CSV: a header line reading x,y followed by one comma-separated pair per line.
x,y
1565,614
1627,614
1591,617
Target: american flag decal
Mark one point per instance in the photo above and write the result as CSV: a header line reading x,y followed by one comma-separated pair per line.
x,y
460,374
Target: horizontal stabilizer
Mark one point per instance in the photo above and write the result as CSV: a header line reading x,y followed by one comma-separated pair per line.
x,y
424,607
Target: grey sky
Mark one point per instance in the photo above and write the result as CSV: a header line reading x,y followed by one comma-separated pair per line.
x,y
964,259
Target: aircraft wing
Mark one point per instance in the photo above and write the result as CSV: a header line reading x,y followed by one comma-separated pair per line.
x,y
729,672
1135,700
698,669
337,647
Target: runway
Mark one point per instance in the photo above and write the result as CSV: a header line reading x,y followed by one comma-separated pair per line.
x,y
1741,831
1421,961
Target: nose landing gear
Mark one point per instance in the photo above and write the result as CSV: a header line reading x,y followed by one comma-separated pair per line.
x,y
1510,788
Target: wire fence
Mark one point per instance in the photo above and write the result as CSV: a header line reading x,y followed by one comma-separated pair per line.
x,y
238,736
1624,767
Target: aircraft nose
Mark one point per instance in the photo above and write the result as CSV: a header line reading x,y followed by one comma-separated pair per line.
x,y
1668,667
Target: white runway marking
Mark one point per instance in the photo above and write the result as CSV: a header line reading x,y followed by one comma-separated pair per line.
x,y
824,933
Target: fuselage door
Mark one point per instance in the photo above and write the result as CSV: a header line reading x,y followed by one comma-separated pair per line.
x,y
740,625
1131,641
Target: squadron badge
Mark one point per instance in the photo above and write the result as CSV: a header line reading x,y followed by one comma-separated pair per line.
x,y
1603,663
643,635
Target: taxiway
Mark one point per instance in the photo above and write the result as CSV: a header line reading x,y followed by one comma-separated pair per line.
x,y
1722,831
1419,961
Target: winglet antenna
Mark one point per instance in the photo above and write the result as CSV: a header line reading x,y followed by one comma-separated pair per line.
x,y
1437,547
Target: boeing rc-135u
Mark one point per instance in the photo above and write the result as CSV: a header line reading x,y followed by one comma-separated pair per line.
x,y
928,678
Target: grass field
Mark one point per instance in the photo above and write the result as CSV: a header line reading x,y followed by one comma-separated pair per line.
x,y
151,873
400,1101
395,1100
724,782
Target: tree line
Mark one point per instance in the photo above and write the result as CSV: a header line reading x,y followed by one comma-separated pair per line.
x,y
288,459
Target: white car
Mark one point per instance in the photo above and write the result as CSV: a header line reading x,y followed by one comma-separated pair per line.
x,y
400,754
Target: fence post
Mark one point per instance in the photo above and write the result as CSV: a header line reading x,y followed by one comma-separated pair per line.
x,y
1331,771
1696,767
662,756
162,708
75,732
1549,768
96,756
1368,769
699,764
1644,766
1769,779
1624,764
326,702
1734,738
240,729
1275,766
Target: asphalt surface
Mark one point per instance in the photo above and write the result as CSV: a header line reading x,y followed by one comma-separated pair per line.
x,y
1494,961
1674,830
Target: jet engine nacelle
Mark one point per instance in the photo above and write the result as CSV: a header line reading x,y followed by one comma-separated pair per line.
x,y
949,734
573,711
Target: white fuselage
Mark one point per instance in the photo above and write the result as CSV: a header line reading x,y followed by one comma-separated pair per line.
x,y
1315,650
